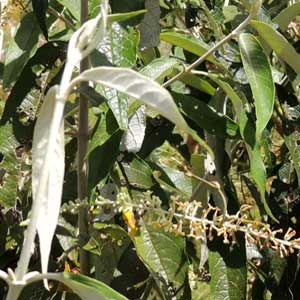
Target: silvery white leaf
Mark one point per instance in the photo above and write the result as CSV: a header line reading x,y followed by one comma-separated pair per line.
x,y
137,86
88,36
48,170
133,138
82,42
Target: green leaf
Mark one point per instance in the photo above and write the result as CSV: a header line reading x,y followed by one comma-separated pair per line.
x,y
107,242
102,159
124,16
160,68
257,167
134,136
21,48
284,18
198,83
118,103
166,161
233,95
164,255
25,87
205,116
128,6
179,180
227,266
165,183
40,8
121,48
292,141
187,42
138,173
88,288
73,6
9,167
279,44
259,73
104,129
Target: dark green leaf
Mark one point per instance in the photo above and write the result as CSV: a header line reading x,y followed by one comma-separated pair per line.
x,y
138,173
21,48
128,6
107,242
102,159
44,57
164,255
205,116
40,8
227,266
104,129
257,167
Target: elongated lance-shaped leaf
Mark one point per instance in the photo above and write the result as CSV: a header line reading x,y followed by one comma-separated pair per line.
x,y
259,73
142,88
87,288
281,46
285,16
48,170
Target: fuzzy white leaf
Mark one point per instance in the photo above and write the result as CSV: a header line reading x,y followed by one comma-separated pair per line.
x,y
133,138
83,42
137,86
48,170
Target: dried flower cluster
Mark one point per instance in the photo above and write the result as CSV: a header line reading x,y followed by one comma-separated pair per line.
x,y
190,219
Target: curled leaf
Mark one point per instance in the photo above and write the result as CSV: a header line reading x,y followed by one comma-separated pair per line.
x,y
82,42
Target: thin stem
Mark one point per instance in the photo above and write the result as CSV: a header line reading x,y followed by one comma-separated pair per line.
x,y
201,59
83,139
60,16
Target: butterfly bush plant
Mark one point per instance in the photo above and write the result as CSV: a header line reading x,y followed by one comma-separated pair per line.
x,y
181,188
